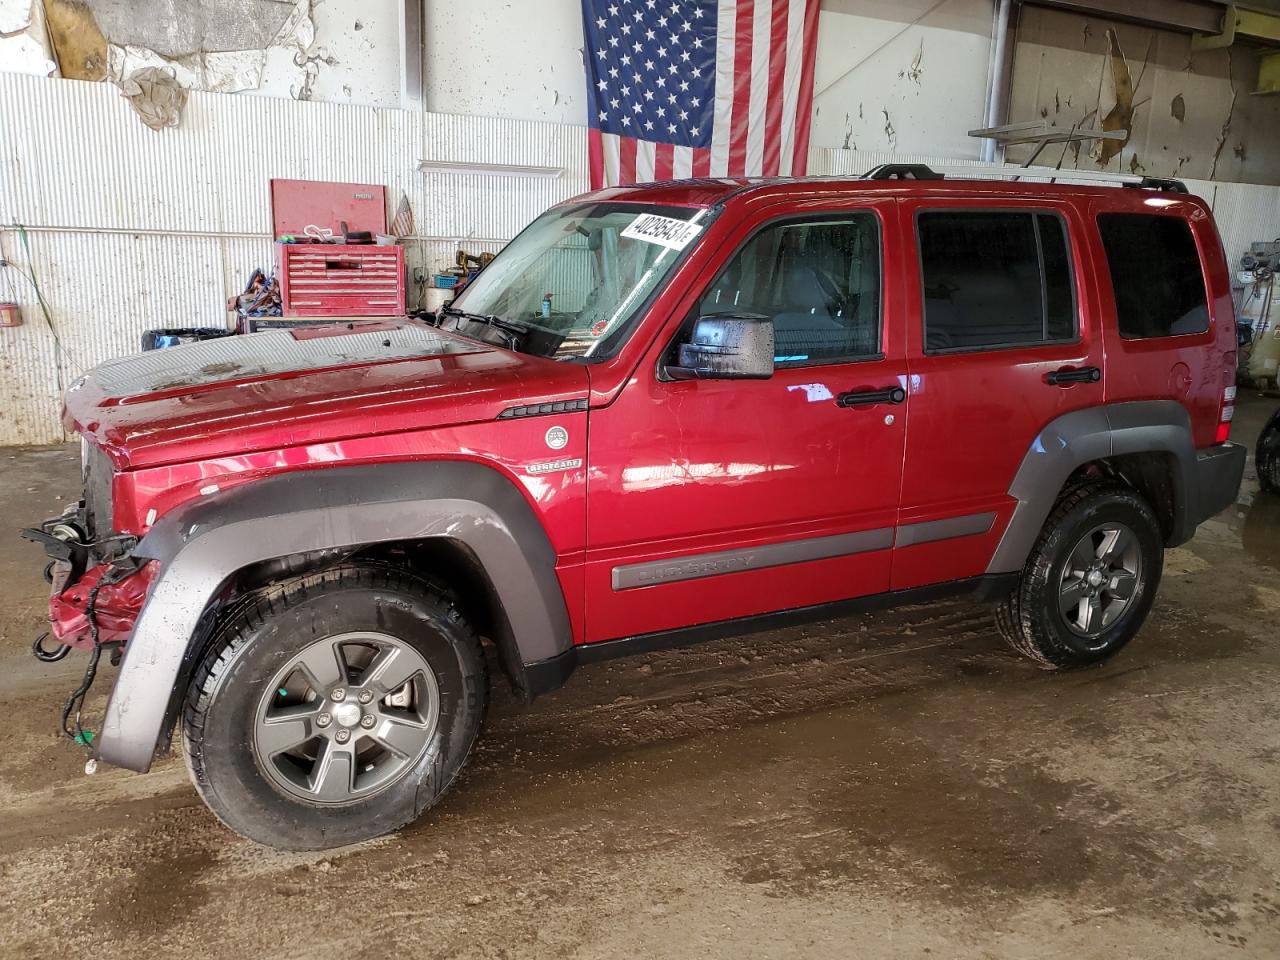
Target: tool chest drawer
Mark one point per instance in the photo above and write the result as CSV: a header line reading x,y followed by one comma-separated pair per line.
x,y
346,280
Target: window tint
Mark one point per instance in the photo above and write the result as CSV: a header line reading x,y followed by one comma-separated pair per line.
x,y
995,279
1155,273
819,280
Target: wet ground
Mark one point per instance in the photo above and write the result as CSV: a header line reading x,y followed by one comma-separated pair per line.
x,y
895,784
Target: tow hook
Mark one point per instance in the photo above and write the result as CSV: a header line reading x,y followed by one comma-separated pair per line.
x,y
45,655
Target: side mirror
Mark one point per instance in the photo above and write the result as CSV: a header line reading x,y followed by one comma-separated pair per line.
x,y
726,346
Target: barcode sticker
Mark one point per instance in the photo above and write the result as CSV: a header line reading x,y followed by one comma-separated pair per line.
x,y
665,231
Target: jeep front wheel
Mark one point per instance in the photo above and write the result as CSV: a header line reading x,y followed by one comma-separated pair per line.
x,y
1090,580
334,708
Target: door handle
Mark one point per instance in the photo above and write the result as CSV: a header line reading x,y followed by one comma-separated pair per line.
x,y
1067,375
867,398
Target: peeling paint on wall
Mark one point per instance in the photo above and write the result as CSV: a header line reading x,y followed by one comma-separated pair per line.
x,y
1181,107
305,49
1119,93
230,71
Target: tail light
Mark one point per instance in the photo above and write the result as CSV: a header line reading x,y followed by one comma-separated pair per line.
x,y
1225,412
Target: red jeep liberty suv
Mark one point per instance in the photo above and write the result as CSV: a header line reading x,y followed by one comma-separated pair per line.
x,y
744,403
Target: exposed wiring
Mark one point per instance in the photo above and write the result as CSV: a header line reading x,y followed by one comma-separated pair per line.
x,y
76,701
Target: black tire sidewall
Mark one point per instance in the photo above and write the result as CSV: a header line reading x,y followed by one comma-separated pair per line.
x,y
1266,454
1041,589
243,795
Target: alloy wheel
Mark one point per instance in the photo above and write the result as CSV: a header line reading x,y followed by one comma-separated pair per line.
x,y
1100,579
346,717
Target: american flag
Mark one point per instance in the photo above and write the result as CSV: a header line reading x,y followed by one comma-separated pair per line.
x,y
697,88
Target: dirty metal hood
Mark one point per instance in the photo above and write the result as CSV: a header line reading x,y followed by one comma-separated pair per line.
x,y
283,388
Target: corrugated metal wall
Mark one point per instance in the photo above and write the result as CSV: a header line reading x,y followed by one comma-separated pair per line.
x,y
130,229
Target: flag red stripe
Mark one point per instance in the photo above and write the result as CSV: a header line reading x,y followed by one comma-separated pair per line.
x,y
777,77
701,161
664,161
804,108
626,160
744,27
595,158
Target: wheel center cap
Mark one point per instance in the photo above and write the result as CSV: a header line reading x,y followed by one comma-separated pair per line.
x,y
1095,578
346,714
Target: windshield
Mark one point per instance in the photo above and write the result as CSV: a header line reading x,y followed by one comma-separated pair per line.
x,y
570,285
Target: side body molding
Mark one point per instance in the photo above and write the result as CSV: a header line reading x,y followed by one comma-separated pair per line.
x,y
202,544
1074,439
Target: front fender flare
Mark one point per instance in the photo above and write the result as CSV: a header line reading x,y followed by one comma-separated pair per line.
x,y
203,544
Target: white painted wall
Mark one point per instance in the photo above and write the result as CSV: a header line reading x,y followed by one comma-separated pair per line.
x,y
905,75
506,58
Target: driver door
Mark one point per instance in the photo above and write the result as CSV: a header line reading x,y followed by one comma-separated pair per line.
x,y
712,500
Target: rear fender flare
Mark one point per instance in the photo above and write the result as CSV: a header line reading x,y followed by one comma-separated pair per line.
x,y
200,546
1084,436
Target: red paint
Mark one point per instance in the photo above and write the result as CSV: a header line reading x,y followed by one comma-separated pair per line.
x,y
116,607
340,280
298,204
675,468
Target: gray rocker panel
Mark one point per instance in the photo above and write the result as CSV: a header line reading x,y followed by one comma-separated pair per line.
x,y
201,545
1076,438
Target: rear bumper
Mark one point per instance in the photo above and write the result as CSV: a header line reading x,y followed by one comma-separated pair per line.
x,y
1218,472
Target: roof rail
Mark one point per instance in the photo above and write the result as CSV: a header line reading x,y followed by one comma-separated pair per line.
x,y
901,171
1166,184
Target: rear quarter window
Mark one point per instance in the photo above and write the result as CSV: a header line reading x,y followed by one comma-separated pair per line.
x,y
1155,275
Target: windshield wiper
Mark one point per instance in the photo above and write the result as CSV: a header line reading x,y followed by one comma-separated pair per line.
x,y
510,326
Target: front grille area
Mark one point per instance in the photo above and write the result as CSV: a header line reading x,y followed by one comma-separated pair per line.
x,y
98,472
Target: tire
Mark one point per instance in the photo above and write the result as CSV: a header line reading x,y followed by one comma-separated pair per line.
x,y
1050,618
272,675
1266,456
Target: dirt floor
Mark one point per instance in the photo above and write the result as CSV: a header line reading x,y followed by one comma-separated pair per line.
x,y
895,784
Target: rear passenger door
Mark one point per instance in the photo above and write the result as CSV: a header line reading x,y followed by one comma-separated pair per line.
x,y
999,343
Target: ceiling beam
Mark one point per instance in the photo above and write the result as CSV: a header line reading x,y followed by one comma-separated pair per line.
x,y
1184,16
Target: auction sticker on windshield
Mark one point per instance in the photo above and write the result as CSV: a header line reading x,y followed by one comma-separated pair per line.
x,y
651,228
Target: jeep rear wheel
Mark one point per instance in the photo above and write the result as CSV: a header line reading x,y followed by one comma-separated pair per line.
x,y
334,708
1090,580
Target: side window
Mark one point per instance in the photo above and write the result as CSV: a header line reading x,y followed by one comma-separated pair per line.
x,y
820,282
1155,273
995,279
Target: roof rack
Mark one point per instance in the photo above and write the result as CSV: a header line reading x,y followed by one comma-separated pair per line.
x,y
920,171
1167,184
901,171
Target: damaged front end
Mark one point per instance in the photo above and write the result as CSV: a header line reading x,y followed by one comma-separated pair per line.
x,y
97,586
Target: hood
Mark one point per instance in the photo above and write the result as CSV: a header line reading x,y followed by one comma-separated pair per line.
x,y
282,388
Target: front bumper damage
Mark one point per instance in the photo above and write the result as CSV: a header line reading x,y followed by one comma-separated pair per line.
x,y
97,587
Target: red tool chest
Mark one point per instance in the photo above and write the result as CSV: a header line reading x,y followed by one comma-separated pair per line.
x,y
340,280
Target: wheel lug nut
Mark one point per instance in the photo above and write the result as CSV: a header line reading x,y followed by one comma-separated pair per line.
x,y
366,696
323,720
343,736
368,720
338,695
